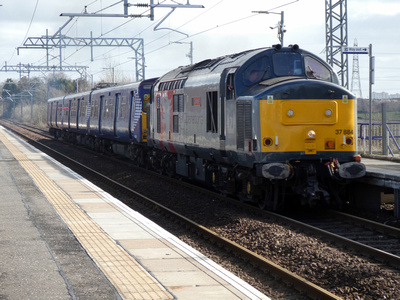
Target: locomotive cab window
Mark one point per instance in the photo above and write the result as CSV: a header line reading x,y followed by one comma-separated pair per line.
x,y
315,70
257,71
287,64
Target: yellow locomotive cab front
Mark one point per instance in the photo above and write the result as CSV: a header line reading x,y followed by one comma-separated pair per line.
x,y
308,126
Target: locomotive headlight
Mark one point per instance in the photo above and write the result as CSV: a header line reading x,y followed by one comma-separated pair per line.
x,y
290,113
311,134
328,112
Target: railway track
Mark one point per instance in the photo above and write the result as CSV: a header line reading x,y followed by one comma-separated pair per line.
x,y
252,256
371,238
304,287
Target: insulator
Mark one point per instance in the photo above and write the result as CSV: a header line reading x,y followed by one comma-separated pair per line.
x,y
141,5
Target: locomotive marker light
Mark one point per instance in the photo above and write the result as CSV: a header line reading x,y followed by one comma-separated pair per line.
x,y
328,113
311,134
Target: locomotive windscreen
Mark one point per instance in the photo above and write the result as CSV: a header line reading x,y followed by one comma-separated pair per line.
x,y
287,63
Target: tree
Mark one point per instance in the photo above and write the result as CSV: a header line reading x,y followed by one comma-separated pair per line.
x,y
60,82
9,89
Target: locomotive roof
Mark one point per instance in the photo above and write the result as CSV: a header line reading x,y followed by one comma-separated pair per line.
x,y
220,63
214,65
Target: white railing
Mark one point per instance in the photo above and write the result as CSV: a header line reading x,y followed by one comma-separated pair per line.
x,y
392,135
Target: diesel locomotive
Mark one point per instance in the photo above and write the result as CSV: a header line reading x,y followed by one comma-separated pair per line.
x,y
262,124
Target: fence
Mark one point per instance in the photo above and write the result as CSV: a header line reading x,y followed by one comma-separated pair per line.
x,y
380,140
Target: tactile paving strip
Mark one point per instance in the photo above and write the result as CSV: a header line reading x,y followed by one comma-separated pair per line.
x,y
130,279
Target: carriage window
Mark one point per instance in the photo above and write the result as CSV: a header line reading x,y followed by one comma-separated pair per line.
x,y
94,111
108,111
287,64
83,108
316,70
122,109
73,109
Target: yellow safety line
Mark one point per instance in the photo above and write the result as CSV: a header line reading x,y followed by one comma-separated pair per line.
x,y
130,279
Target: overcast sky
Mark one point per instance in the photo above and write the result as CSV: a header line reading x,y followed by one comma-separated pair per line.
x,y
221,27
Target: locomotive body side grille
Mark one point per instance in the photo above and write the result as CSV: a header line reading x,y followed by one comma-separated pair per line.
x,y
244,123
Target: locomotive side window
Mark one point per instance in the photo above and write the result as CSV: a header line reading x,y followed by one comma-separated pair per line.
x,y
230,88
178,106
158,120
178,103
212,112
175,123
287,64
316,70
175,104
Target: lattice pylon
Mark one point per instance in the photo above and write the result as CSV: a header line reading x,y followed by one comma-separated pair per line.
x,y
355,78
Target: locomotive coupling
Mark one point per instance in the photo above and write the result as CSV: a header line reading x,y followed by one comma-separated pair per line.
x,y
275,171
351,170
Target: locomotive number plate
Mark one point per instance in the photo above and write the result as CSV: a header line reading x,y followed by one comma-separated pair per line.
x,y
343,131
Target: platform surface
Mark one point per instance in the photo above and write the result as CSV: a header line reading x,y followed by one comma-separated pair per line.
x,y
61,237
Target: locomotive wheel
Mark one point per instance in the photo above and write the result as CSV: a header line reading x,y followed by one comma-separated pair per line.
x,y
263,202
169,166
270,201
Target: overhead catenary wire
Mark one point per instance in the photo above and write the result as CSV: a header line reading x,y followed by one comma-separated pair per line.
x,y
152,51
29,27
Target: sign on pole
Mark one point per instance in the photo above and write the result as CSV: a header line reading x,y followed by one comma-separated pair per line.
x,y
354,50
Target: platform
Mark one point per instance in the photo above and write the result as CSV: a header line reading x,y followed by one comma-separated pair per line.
x,y
382,176
61,237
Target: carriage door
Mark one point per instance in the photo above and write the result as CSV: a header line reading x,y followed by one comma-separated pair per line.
x,y
117,111
101,108
131,112
227,93
69,113
78,112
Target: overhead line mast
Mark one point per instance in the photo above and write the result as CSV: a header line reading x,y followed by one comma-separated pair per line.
x,y
336,37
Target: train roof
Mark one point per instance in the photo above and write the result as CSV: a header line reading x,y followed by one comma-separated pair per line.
x,y
217,65
289,62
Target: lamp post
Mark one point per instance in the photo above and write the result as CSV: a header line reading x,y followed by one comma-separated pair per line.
x,y
280,26
190,54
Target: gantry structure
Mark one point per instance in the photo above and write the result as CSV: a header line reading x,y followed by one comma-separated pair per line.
x,y
336,38
60,41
